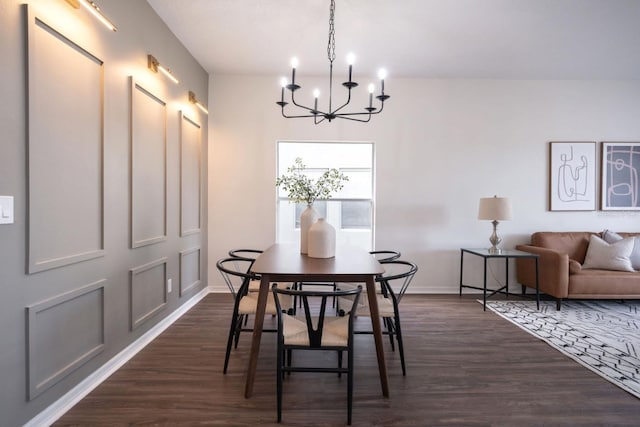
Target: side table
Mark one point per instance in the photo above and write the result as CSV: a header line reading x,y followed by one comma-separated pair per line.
x,y
505,254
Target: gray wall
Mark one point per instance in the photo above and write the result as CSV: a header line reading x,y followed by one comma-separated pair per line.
x,y
106,162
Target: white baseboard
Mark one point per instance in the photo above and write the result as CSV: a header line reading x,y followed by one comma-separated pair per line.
x,y
57,409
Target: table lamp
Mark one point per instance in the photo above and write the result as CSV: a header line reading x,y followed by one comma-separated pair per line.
x,y
494,209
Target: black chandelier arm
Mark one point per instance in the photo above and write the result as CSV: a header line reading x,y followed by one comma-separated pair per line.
x,y
320,112
378,111
369,113
343,105
346,116
316,121
293,100
300,116
304,116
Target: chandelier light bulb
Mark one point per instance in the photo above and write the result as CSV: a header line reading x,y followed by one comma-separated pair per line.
x,y
283,82
351,58
294,62
371,88
382,74
316,94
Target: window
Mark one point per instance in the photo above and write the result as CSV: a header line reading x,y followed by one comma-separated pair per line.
x,y
350,211
355,215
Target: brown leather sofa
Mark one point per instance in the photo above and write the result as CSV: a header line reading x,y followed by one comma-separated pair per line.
x,y
560,268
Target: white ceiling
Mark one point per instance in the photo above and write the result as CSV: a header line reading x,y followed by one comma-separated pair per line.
x,y
512,39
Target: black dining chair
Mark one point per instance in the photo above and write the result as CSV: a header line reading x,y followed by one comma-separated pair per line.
x,y
249,254
313,330
380,256
393,284
385,255
245,253
236,273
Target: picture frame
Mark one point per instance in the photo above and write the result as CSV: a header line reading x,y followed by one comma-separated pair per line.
x,y
572,176
620,184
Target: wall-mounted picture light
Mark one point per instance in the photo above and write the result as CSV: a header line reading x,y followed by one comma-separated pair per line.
x,y
94,9
156,66
194,100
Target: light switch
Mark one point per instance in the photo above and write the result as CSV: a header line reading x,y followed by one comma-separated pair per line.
x,y
6,209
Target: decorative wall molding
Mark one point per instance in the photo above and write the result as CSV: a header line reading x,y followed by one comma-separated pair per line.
x,y
148,291
75,395
189,269
190,176
65,149
148,167
74,321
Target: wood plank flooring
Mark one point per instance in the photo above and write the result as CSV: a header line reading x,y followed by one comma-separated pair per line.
x,y
465,367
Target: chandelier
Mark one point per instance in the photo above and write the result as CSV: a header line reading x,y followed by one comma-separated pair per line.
x,y
332,113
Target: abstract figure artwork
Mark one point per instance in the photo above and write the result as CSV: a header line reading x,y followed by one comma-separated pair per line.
x,y
572,176
620,167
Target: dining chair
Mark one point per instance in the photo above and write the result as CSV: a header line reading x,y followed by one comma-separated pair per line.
x,y
313,330
236,273
245,253
385,255
251,254
393,285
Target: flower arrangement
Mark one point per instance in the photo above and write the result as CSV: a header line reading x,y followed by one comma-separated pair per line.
x,y
301,188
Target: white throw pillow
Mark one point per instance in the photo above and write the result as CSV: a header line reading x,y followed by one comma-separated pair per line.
x,y
614,256
612,237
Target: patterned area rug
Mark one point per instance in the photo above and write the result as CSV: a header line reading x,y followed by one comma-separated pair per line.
x,y
603,336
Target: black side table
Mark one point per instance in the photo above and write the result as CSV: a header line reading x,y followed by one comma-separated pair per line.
x,y
505,254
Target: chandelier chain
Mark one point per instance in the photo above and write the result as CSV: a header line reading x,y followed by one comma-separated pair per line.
x,y
331,47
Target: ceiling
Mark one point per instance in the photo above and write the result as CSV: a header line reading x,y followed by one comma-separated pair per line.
x,y
503,39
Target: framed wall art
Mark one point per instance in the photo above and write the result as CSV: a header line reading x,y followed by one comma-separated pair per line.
x,y
572,176
620,168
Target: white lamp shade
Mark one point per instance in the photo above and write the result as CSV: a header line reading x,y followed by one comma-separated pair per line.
x,y
494,208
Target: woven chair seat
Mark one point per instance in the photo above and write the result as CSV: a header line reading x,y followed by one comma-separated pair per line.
x,y
335,330
249,302
254,286
385,305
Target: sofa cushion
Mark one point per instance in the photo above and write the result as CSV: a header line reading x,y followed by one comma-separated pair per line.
x,y
572,243
603,255
574,267
612,237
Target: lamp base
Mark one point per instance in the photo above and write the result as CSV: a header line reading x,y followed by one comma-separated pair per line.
x,y
494,239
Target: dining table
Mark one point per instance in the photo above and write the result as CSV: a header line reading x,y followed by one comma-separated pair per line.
x,y
283,262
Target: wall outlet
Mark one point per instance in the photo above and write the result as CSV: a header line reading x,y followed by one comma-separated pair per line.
x,y
169,285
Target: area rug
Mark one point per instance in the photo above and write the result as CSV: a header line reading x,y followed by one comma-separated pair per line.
x,y
603,336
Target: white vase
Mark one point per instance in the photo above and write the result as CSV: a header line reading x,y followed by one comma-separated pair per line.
x,y
308,217
322,240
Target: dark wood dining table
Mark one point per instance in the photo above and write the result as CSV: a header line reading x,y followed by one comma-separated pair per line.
x,y
284,263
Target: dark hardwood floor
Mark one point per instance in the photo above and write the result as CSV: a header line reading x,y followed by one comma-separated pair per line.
x,y
465,367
